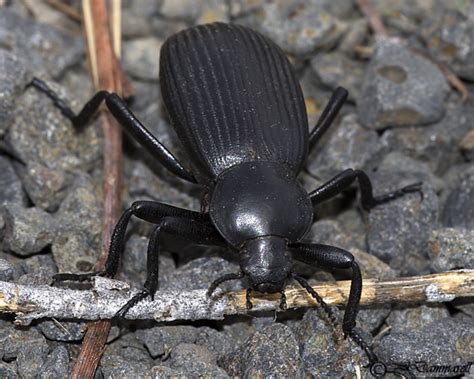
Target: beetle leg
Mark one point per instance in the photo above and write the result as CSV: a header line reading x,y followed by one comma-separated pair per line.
x,y
125,117
330,112
150,211
196,232
248,300
334,257
343,180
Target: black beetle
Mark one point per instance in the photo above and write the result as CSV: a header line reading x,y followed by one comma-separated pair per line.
x,y
238,109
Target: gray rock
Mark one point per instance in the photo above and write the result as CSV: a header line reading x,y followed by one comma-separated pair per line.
x,y
467,145
137,17
324,351
142,56
65,331
181,9
45,187
336,69
214,11
401,88
41,134
329,232
28,347
160,340
27,230
10,183
348,146
355,36
144,183
56,365
195,361
77,241
270,352
416,317
43,47
442,342
115,366
129,350
436,144
38,270
7,271
458,210
13,79
450,39
239,8
164,372
398,230
200,273
8,370
394,160
299,27
134,262
451,249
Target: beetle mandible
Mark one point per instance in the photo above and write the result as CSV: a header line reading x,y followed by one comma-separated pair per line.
x,y
238,109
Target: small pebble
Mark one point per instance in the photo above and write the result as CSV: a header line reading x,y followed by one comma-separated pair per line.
x,y
272,351
450,39
141,57
56,364
451,249
349,145
300,27
27,230
400,88
195,361
458,210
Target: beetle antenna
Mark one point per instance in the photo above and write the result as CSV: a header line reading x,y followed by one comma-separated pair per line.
x,y
356,337
327,309
222,279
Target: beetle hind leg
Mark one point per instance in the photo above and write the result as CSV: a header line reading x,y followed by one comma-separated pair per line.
x,y
368,201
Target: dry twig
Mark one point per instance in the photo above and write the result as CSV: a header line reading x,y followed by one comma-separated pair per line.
x,y
108,296
107,75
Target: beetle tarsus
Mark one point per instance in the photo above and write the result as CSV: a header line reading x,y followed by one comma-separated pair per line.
x,y
283,304
248,301
63,277
132,302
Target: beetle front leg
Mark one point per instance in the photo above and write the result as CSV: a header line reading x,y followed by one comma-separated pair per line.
x,y
191,230
333,257
343,180
150,211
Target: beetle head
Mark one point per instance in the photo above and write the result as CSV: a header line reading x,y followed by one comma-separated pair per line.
x,y
266,262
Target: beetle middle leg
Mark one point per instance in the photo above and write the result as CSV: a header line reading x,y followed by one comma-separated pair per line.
x,y
333,257
343,180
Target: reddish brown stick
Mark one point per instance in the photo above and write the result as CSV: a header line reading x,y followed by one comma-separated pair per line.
x,y
109,79
372,16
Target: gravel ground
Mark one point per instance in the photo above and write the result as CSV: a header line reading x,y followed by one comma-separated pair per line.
x,y
403,123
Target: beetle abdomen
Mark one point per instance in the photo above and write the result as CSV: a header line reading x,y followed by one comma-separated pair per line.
x,y
232,97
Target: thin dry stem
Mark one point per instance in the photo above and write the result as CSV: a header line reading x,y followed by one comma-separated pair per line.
x,y
108,296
